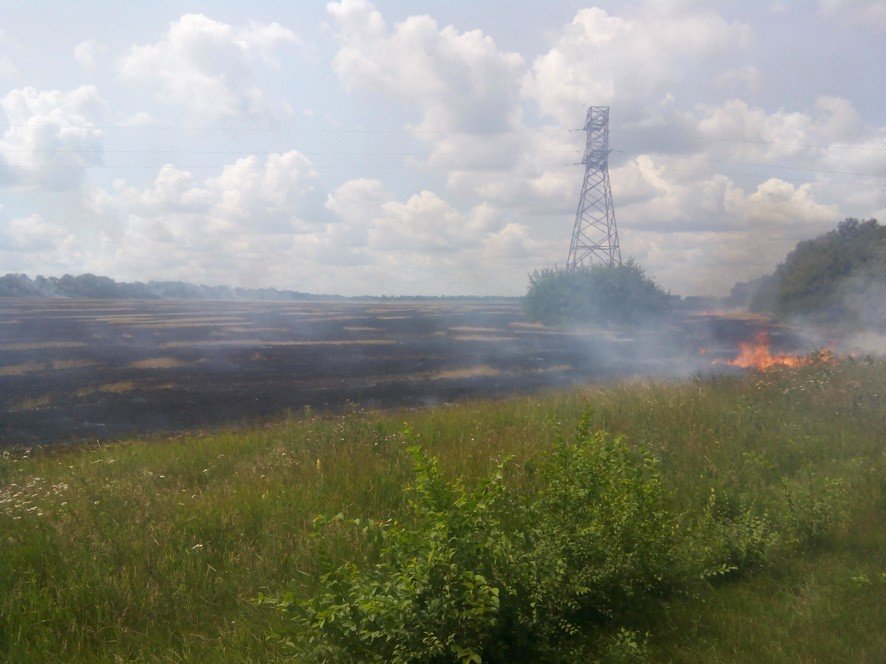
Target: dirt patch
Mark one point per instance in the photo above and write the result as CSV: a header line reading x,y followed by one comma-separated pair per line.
x,y
58,365
21,369
117,388
468,328
45,345
466,372
159,363
27,405
295,343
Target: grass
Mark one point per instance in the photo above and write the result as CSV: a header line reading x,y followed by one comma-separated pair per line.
x,y
152,550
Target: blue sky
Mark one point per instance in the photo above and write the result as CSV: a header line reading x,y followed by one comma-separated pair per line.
x,y
429,147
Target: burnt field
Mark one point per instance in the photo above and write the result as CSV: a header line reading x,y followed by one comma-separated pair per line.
x,y
102,369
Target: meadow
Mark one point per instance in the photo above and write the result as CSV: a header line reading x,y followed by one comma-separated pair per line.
x,y
155,549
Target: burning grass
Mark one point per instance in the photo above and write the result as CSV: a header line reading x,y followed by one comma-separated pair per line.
x,y
154,551
757,354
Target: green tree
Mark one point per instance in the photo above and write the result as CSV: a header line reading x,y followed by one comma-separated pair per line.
x,y
598,294
836,277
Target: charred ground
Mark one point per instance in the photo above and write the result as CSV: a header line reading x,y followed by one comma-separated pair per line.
x,y
103,369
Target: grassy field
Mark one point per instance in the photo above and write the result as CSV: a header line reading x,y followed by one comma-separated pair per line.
x,y
154,550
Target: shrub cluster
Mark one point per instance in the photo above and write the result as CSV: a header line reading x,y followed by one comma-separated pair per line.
x,y
494,574
597,294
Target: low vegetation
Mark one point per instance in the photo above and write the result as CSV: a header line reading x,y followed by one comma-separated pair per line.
x,y
621,294
722,519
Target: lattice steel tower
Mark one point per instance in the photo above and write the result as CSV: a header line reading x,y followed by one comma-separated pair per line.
x,y
594,236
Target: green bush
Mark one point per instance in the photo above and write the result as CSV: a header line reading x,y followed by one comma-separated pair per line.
x,y
564,559
816,507
488,574
598,294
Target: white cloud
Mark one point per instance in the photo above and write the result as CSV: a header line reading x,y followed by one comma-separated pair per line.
x,y
860,13
209,67
51,138
459,81
607,60
8,70
737,129
88,53
33,234
139,119
747,79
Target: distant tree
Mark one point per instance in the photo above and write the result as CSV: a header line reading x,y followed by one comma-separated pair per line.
x,y
598,294
839,276
17,285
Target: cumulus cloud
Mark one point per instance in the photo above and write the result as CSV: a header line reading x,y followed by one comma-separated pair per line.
x,y
51,138
859,13
467,94
424,244
8,70
33,234
604,59
88,53
244,225
459,81
34,240
208,66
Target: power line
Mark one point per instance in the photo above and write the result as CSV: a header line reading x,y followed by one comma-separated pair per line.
x,y
758,164
277,152
467,132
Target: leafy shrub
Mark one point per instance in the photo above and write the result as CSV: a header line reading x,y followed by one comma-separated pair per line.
x,y
625,646
600,294
816,506
569,562
735,540
489,575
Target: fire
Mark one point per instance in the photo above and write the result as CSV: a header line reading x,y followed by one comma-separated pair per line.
x,y
756,354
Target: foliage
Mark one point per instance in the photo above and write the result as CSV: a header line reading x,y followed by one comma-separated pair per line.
x,y
491,575
839,276
597,294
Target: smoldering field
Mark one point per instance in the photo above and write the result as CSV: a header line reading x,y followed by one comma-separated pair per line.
x,y
100,369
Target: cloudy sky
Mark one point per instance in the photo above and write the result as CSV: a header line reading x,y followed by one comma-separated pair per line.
x,y
429,147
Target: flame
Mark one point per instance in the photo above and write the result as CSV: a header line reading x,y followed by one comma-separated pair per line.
x,y
756,354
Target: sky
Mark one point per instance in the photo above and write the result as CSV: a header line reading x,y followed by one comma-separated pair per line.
x,y
430,148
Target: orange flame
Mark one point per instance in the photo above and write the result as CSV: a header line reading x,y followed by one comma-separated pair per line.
x,y
756,355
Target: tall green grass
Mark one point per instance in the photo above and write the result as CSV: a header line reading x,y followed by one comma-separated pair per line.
x,y
154,550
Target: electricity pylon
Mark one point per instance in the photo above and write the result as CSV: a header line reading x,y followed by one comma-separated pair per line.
x,y
594,236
